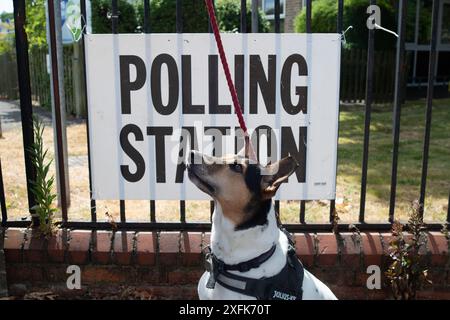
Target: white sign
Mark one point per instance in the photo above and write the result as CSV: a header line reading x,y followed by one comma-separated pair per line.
x,y
153,97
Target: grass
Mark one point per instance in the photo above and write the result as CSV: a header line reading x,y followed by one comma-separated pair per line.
x,y
351,132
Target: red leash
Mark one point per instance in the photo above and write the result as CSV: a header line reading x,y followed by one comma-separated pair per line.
x,y
226,69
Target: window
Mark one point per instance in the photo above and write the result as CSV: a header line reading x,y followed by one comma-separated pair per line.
x,y
445,26
269,8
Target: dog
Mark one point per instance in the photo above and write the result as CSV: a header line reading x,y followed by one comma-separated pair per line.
x,y
244,225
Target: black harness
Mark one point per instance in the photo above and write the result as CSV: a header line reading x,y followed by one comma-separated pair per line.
x,y
286,285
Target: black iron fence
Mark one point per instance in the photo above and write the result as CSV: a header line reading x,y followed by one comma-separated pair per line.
x,y
371,64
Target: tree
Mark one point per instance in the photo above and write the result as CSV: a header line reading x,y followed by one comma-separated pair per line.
x,y
101,17
324,18
36,24
228,16
195,16
4,16
7,39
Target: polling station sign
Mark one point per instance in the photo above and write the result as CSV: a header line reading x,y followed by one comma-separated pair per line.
x,y
154,97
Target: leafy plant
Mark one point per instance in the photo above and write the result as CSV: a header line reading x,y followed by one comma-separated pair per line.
x,y
335,221
407,273
42,187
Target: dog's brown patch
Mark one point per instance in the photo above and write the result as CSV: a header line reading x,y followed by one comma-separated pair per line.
x,y
242,192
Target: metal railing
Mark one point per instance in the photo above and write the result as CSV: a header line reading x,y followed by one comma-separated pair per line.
x,y
153,224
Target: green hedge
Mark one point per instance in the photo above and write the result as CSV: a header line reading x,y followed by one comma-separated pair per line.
x,y
195,17
101,23
229,13
324,20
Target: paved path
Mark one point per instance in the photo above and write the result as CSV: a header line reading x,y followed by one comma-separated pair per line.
x,y
10,114
10,119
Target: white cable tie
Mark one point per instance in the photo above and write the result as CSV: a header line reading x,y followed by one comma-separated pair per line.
x,y
384,29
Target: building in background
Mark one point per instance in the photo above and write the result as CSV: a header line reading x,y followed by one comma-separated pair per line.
x,y
288,11
418,38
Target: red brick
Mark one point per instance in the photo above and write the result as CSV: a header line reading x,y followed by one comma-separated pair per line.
x,y
350,249
328,275
438,245
104,274
34,247
146,248
78,252
149,275
184,276
56,272
191,248
448,279
101,249
372,248
174,292
123,247
24,273
169,247
328,249
57,246
347,276
304,247
433,294
438,276
14,239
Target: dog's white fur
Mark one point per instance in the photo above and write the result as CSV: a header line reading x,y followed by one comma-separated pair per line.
x,y
233,246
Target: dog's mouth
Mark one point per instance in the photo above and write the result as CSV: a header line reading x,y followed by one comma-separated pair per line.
x,y
199,182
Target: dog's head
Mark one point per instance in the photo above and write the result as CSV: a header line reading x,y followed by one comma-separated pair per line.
x,y
244,190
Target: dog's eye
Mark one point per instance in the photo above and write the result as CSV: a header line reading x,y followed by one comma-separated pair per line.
x,y
236,167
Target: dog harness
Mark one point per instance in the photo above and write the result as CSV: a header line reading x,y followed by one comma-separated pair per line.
x,y
286,285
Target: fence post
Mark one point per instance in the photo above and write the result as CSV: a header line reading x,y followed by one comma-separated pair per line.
x,y
369,99
308,31
243,20
78,90
398,97
93,205
430,92
115,30
59,114
340,18
26,111
255,16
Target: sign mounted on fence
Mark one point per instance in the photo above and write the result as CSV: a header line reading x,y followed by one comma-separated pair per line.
x,y
152,98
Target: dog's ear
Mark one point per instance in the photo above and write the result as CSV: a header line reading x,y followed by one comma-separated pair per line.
x,y
247,151
241,153
273,175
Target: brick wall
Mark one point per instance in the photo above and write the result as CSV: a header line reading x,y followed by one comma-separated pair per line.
x,y
3,286
169,264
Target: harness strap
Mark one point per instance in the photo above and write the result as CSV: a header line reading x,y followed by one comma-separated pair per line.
x,y
286,285
246,265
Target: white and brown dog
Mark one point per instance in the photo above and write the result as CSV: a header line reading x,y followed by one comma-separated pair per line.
x,y
244,226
